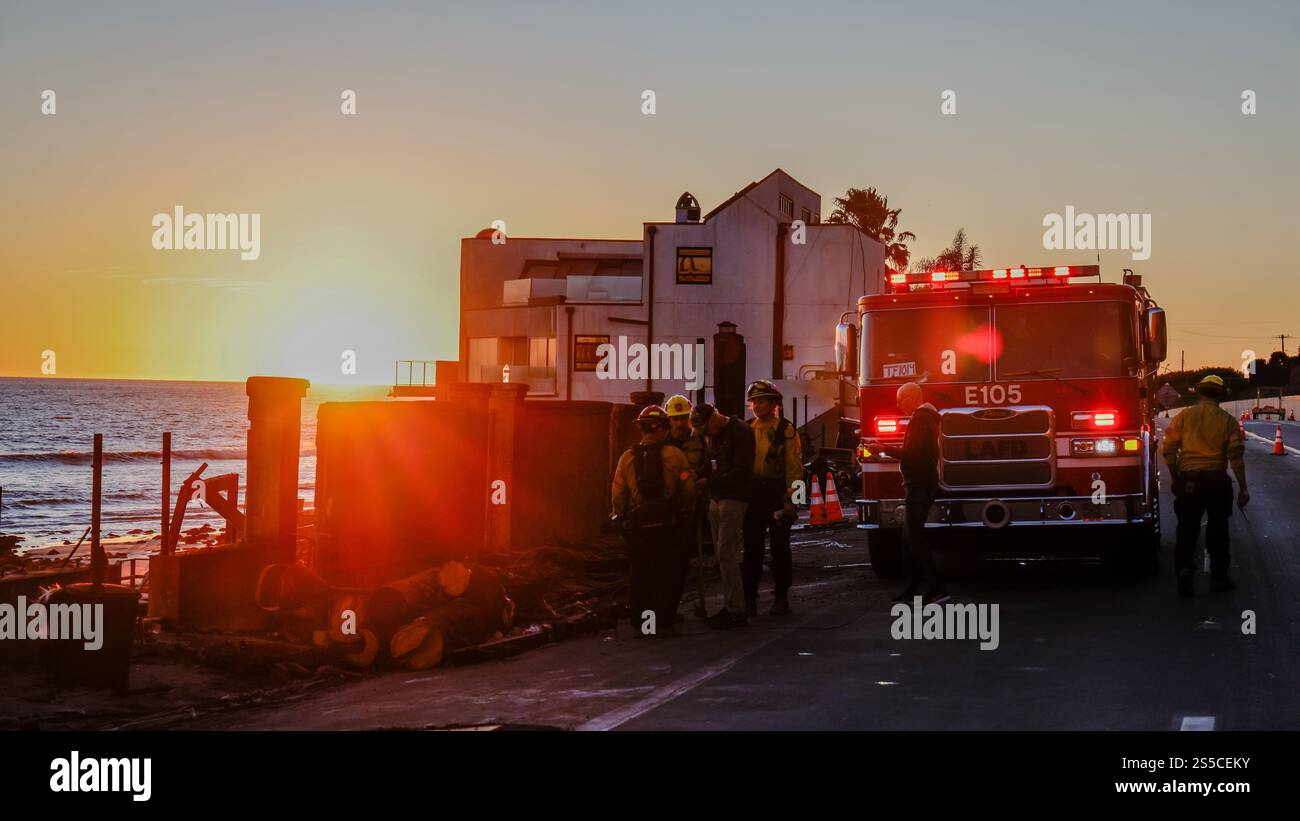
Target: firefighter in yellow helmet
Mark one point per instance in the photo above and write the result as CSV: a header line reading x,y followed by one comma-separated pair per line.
x,y
1202,442
653,491
689,441
778,464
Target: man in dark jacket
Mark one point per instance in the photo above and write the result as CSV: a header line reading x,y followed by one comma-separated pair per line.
x,y
725,475
919,464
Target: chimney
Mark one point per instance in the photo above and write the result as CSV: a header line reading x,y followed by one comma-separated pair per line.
x,y
688,209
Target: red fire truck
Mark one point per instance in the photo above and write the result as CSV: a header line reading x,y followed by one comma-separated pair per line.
x,y
1044,385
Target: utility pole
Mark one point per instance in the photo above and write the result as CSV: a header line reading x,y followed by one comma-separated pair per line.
x,y
1182,360
1283,337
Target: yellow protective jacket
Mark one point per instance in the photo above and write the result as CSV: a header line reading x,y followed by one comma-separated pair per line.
x,y
773,459
1204,437
679,481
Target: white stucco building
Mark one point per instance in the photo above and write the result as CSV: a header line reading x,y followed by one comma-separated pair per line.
x,y
762,260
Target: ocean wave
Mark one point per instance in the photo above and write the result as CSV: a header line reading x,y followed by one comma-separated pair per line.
x,y
86,457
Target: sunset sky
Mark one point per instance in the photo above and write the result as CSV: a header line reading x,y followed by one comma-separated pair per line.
x,y
530,113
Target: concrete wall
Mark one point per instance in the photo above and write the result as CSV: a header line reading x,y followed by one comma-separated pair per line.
x,y
1290,405
401,486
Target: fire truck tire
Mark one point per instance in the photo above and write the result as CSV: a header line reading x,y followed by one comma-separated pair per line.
x,y
885,549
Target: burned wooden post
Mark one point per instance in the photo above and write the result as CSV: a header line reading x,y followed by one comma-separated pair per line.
x,y
275,414
98,560
166,490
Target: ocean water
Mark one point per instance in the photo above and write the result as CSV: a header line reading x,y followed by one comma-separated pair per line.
x,y
47,429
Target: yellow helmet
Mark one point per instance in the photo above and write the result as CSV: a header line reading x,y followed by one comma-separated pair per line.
x,y
1212,385
677,406
762,389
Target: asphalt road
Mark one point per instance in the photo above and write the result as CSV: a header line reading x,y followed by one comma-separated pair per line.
x,y
1078,649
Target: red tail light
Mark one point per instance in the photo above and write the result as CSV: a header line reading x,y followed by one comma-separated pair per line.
x,y
1093,419
890,425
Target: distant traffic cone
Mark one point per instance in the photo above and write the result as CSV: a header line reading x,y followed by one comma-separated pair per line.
x,y
834,513
816,507
1278,448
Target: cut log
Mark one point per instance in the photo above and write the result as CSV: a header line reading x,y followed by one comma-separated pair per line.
x,y
428,654
367,649
402,600
453,578
338,618
481,611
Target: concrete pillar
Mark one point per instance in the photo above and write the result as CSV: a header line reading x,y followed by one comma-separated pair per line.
x,y
506,432
275,414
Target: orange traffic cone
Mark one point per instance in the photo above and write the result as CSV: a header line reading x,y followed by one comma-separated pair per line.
x,y
816,508
1278,448
834,513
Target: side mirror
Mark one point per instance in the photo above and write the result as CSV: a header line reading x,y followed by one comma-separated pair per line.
x,y
846,349
1155,334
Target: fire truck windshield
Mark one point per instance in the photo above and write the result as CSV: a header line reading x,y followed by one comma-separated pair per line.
x,y
1065,340
1052,340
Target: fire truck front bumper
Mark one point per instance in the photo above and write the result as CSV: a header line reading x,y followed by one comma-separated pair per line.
x,y
1015,511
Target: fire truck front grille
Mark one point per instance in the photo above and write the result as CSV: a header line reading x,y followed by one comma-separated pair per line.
x,y
997,448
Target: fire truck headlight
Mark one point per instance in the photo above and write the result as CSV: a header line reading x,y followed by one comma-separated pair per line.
x,y
1105,447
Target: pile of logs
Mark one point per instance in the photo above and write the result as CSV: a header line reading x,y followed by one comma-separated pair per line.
x,y
414,621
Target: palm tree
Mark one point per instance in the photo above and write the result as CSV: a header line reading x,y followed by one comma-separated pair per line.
x,y
961,255
870,213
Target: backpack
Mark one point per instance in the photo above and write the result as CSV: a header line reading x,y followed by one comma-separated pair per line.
x,y
655,510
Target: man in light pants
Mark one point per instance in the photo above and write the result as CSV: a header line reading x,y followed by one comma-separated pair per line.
x,y
726,477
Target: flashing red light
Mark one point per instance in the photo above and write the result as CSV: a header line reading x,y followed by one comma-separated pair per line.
x,y
1000,273
890,425
897,279
1017,273
1061,271
1094,419
937,276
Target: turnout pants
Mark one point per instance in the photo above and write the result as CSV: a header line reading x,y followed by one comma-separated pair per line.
x,y
1197,494
652,581
918,560
727,517
766,500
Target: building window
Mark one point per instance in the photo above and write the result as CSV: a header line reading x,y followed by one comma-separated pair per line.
x,y
585,357
694,266
807,217
541,353
787,207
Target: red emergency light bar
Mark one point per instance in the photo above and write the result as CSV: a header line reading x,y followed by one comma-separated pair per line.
x,y
930,280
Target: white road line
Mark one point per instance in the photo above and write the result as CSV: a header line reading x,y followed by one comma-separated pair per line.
x,y
670,691
1197,724
1269,442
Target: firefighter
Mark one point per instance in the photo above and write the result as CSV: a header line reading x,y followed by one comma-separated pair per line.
x,y
919,464
653,491
690,442
777,466
1201,443
726,479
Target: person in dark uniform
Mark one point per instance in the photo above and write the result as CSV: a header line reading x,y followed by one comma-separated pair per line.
x,y
919,464
653,490
1201,443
